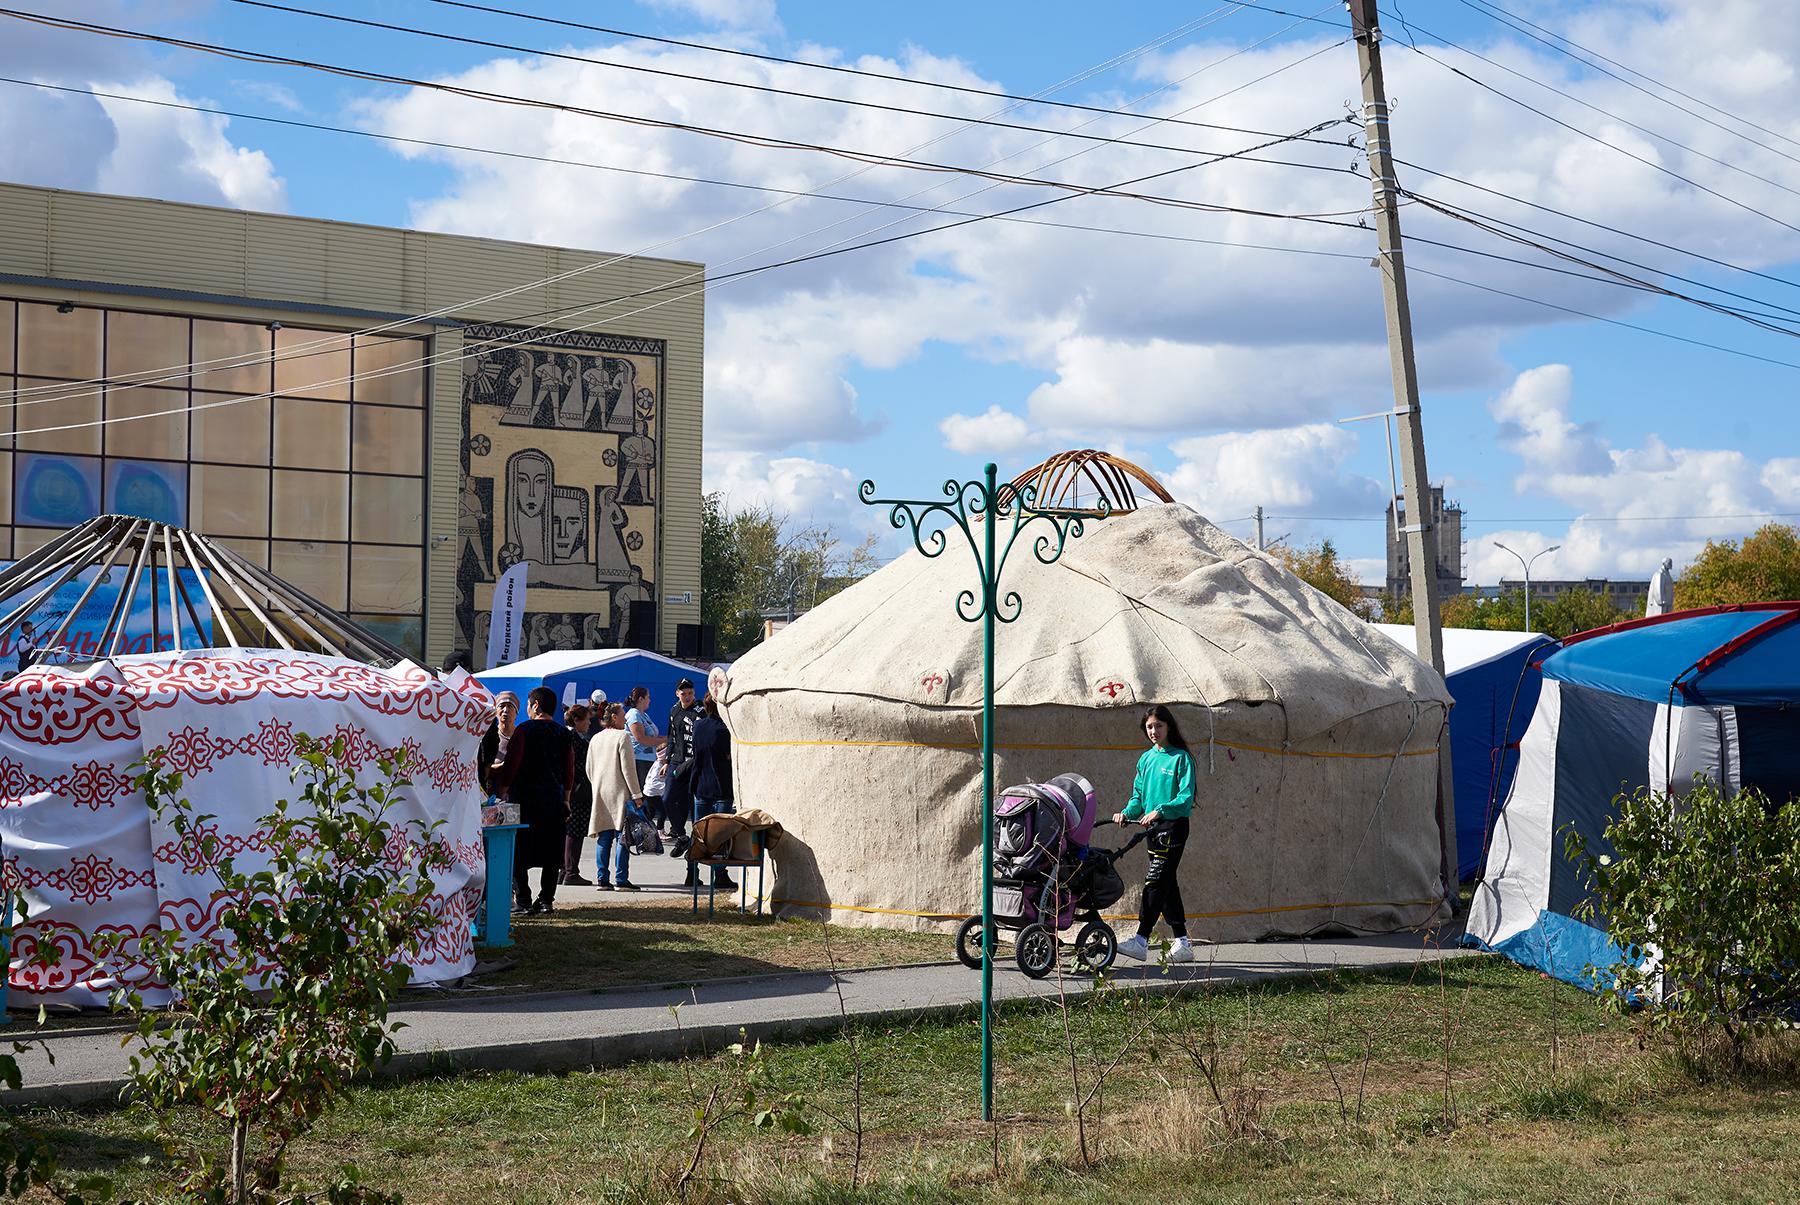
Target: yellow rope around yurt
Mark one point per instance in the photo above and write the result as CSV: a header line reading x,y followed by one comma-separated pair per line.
x,y
776,901
1429,752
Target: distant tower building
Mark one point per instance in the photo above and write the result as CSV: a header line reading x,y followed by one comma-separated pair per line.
x,y
1446,521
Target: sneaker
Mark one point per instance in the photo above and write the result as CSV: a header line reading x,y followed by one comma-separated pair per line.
x,y
624,886
575,880
604,886
1181,951
1135,947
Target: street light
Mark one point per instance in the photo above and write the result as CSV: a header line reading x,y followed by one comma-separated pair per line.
x,y
1534,556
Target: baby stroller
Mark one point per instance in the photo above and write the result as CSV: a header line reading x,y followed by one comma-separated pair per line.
x,y
1047,876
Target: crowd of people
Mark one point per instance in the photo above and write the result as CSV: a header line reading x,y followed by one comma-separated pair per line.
x,y
605,771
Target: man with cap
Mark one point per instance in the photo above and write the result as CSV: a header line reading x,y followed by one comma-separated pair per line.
x,y
678,804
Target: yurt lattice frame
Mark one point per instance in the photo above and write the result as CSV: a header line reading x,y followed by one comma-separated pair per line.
x,y
1058,483
248,606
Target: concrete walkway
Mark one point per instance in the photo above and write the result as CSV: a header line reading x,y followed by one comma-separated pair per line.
x,y
565,1031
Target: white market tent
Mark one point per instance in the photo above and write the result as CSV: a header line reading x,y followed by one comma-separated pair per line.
x,y
1315,741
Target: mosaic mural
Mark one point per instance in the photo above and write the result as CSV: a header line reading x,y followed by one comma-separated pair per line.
x,y
559,470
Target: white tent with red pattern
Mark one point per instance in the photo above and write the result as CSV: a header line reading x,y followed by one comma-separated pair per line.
x,y
89,859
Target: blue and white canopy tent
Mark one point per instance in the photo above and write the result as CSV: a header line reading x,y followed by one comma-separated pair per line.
x,y
574,674
1649,703
1494,693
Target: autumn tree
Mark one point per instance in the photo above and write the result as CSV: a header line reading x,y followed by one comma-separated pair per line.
x,y
1320,567
1764,568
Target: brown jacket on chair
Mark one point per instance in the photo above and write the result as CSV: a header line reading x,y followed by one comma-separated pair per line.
x,y
732,835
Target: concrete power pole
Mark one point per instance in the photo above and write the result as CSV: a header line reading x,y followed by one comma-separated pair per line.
x,y
1259,529
1421,536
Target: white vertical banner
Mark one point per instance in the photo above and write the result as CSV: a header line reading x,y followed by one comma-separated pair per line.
x,y
506,631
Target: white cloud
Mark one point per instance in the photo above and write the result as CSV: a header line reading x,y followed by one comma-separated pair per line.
x,y
1287,469
736,14
810,490
181,155
1533,414
276,94
994,432
1636,505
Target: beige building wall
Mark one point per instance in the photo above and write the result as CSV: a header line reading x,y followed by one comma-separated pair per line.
x,y
209,262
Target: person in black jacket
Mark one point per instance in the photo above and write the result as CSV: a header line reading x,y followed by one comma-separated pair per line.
x,y
712,773
581,799
492,753
539,776
678,803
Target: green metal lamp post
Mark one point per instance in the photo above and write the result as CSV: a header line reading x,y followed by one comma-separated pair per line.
x,y
981,502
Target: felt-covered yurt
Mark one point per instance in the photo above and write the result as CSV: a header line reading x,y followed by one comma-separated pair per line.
x,y
1651,703
1315,739
82,847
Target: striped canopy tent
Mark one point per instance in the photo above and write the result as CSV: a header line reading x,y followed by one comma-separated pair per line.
x,y
139,585
1649,704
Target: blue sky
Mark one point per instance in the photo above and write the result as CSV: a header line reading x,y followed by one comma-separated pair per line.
x,y
1223,369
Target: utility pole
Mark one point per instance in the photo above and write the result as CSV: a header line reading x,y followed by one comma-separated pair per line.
x,y
1421,536
1259,529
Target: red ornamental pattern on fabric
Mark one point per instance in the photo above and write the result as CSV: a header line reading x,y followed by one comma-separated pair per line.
x,y
95,784
42,708
93,961
85,880
408,690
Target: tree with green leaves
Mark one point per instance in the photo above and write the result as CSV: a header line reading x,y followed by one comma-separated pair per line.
x,y
272,1025
1764,568
754,561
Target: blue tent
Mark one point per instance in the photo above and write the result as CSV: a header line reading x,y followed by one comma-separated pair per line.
x,y
1485,672
1652,703
614,671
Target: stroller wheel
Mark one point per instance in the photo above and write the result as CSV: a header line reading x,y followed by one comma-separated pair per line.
x,y
1035,950
968,943
1096,945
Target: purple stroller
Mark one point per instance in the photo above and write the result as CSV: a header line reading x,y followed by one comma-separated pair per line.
x,y
1046,877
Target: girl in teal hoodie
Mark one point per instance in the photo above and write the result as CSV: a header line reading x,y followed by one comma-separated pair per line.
x,y
1162,799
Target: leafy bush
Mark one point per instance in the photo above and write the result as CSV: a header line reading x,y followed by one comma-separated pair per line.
x,y
271,1028
1705,884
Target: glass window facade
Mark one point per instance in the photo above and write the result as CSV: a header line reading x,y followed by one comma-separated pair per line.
x,y
300,448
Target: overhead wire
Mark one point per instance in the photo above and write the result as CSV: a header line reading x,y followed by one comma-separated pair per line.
x,y
1520,24
607,261
748,85
334,342
1595,138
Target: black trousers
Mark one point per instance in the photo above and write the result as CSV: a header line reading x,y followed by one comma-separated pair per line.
x,y
1162,888
547,881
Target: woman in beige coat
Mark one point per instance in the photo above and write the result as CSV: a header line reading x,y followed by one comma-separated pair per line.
x,y
612,769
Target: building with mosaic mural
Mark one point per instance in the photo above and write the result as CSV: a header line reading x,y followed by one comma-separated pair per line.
x,y
388,419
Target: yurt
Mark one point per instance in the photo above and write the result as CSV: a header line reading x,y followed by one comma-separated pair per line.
x,y
1651,703
1315,739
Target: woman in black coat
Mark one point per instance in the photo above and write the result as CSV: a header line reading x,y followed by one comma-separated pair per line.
x,y
711,773
539,776
493,741
581,800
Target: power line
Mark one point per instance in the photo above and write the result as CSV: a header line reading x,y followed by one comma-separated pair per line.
x,y
1642,238
1632,326
771,89
1591,137
763,141
1544,519
345,340
554,161
868,160
715,281
1515,21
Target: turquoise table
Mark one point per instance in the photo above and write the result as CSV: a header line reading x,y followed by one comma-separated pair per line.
x,y
494,927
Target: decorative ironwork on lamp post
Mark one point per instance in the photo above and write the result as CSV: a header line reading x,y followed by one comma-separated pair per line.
x,y
966,503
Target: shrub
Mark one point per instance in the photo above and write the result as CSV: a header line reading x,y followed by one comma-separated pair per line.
x,y
1699,892
272,1026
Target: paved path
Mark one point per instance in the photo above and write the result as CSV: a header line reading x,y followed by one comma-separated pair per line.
x,y
571,1030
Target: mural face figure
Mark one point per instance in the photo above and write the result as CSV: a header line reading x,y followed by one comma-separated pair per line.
x,y
530,483
569,525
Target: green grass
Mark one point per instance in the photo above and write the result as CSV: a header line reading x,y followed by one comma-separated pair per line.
x,y
1606,1122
